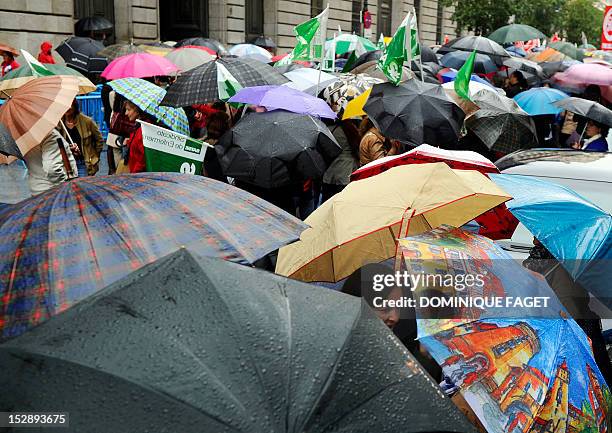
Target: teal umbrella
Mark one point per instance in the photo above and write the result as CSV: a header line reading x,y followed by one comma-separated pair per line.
x,y
147,97
515,32
570,50
348,42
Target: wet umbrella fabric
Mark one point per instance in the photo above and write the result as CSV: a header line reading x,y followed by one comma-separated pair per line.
x,y
191,344
276,148
589,109
482,63
263,41
92,24
200,86
117,50
213,44
139,65
540,100
63,245
568,49
24,74
479,44
515,32
189,58
8,146
415,113
82,54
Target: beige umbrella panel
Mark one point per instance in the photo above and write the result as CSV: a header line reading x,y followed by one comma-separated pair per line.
x,y
362,223
9,84
36,108
189,58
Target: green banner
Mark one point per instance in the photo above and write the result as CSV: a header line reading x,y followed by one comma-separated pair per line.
x,y
169,151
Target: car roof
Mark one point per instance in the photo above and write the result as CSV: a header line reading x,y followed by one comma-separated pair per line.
x,y
559,163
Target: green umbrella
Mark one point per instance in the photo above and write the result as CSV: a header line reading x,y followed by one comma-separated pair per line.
x,y
515,32
18,77
349,42
570,50
190,344
588,47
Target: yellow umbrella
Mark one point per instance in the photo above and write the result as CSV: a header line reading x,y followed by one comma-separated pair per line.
x,y
354,108
362,223
387,39
158,51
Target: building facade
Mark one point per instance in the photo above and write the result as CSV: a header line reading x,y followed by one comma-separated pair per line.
x,y
26,24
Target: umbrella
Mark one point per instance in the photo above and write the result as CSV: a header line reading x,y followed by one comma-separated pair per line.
x,y
497,223
139,65
14,181
367,57
263,41
361,223
283,98
371,69
449,76
581,236
65,244
479,44
9,49
213,44
524,65
35,109
548,55
354,108
515,51
148,97
482,63
589,109
501,124
118,50
82,54
157,49
539,100
24,74
187,59
8,146
251,51
520,369
200,85
583,74
224,348
199,47
346,88
86,25
550,68
588,47
415,113
570,50
283,69
346,42
275,148
304,78
515,32
427,54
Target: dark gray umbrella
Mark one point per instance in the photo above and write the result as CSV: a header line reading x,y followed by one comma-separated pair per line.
x,y
589,109
82,54
415,113
199,85
192,345
551,68
8,146
501,124
366,57
483,64
427,54
283,69
272,149
263,41
524,65
213,44
479,44
86,25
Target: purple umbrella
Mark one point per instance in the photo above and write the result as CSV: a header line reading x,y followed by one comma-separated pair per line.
x,y
284,98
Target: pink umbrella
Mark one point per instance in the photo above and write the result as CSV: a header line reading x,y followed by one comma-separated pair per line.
x,y
139,65
584,74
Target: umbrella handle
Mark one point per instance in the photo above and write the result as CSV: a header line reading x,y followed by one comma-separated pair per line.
x,y
65,159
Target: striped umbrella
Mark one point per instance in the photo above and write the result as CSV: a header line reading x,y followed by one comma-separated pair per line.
x,y
147,97
24,74
36,108
65,244
82,54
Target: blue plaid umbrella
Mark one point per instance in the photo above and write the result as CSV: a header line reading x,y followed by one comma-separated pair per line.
x,y
63,245
147,97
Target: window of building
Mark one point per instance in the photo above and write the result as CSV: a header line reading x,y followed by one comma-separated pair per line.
x,y
417,9
183,19
384,17
316,7
254,25
96,8
356,17
440,24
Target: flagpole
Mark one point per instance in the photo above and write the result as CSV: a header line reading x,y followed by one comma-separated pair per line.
x,y
416,19
323,36
407,29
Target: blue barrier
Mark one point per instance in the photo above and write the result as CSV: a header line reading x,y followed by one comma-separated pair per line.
x,y
91,105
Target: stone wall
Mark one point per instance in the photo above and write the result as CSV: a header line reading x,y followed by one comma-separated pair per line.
x,y
143,16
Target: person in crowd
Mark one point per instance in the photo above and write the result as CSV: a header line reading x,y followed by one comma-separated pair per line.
x,y
8,63
45,56
574,298
217,124
50,164
516,84
373,144
338,174
135,147
547,130
85,139
595,140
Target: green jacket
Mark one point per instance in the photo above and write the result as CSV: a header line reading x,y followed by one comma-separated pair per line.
x,y
91,142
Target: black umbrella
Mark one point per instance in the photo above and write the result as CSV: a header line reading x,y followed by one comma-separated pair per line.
x,y
524,65
551,68
82,54
479,44
199,85
415,113
117,50
429,71
263,41
86,25
213,44
367,57
283,69
589,109
192,345
427,54
8,146
483,64
501,124
273,149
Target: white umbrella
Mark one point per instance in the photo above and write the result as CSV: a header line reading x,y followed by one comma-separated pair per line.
x,y
189,58
305,78
251,51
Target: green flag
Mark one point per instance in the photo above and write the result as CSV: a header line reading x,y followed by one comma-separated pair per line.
x,y
228,85
37,68
350,62
415,48
311,37
464,75
392,61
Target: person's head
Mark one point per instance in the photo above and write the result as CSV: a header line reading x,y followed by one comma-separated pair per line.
x,y
517,77
74,110
592,93
7,56
217,124
361,283
132,111
593,128
45,47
